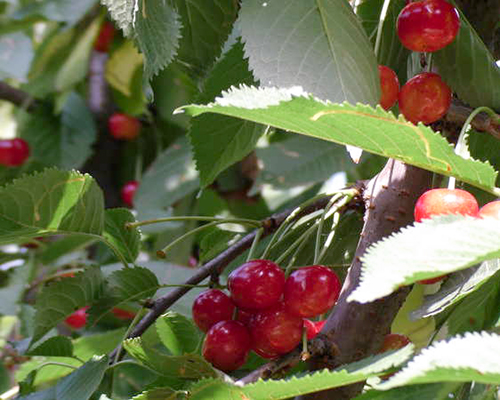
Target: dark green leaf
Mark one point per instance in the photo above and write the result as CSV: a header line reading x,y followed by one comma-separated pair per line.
x,y
56,346
178,333
214,242
124,241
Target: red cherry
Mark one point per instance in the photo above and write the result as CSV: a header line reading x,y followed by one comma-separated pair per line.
x,y
389,84
105,37
120,313
256,285
270,356
275,331
244,317
226,345
311,291
123,126
128,192
13,152
428,25
424,98
431,281
491,209
210,307
394,341
445,201
78,319
313,327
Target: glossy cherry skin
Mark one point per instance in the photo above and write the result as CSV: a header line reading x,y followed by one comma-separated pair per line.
x,y
275,331
78,319
313,327
256,285
427,26
424,98
394,341
491,209
311,291
445,201
105,37
123,126
226,345
13,152
389,85
128,192
210,307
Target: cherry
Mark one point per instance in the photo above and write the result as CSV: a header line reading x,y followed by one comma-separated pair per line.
x,y
275,331
389,84
128,192
445,201
227,345
78,319
105,37
123,126
428,25
431,281
424,98
13,152
244,317
311,291
120,313
313,327
491,209
210,307
256,285
394,341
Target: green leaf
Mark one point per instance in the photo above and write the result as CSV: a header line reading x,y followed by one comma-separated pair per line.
x,y
157,29
373,130
434,391
63,246
451,243
56,346
159,393
60,299
215,241
476,81
170,177
216,390
122,12
124,241
188,366
319,45
16,53
82,383
472,357
86,346
178,333
456,287
50,202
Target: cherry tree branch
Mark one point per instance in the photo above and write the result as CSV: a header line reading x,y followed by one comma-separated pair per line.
x,y
459,113
18,97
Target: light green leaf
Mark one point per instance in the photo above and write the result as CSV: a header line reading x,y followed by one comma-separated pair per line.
x,y
456,287
434,391
178,333
476,81
50,202
215,241
56,346
159,393
373,130
157,29
86,346
451,243
122,12
124,241
216,390
187,366
122,67
60,299
16,54
317,44
472,357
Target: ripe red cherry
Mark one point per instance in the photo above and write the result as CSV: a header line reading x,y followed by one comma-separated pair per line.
x,y
210,307
105,37
428,25
128,192
275,331
120,313
256,285
311,291
78,319
424,98
123,126
13,152
389,84
394,341
445,201
491,209
227,345
431,281
313,327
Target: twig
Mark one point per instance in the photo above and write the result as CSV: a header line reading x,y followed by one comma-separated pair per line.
x,y
459,113
18,97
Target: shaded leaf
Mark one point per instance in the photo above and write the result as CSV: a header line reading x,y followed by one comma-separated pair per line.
x,y
159,393
178,333
122,240
56,346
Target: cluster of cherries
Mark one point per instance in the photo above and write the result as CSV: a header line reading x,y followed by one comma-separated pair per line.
x,y
265,312
422,26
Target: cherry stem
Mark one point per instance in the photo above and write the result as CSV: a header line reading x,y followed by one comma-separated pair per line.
x,y
381,20
241,221
302,238
138,160
255,242
319,232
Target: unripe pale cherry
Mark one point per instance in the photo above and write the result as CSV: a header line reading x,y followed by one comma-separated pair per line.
x,y
424,98
13,152
389,85
210,307
428,26
445,201
491,209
